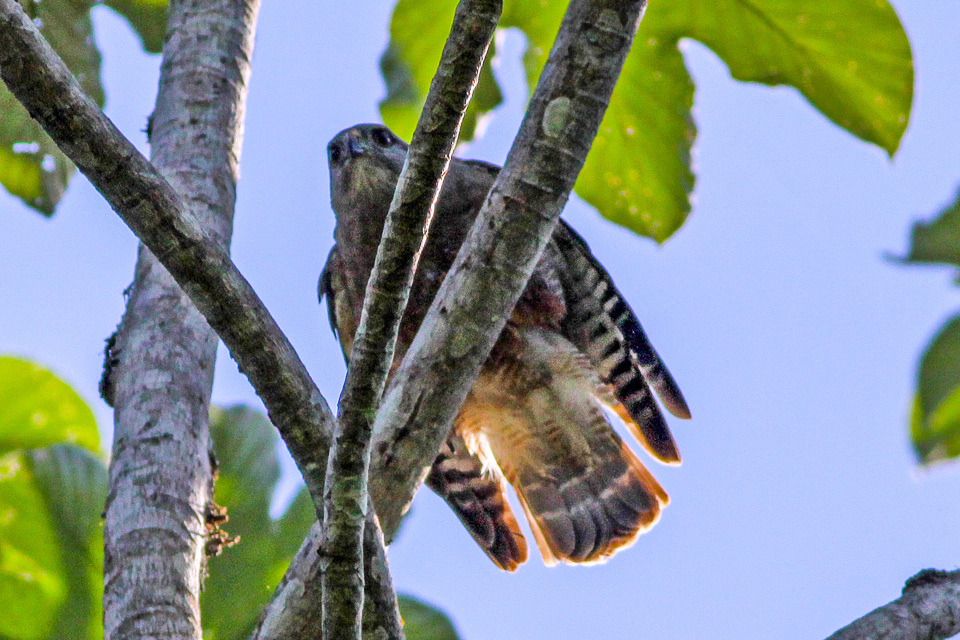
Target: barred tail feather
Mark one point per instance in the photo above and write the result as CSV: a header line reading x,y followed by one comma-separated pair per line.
x,y
480,503
602,325
535,414
586,519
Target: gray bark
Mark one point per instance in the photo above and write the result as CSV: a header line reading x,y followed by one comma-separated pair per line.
x,y
929,609
295,611
163,355
404,234
172,232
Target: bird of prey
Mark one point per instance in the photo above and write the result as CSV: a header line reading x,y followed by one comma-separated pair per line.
x,y
534,418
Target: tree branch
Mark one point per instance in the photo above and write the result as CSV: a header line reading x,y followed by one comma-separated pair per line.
x,y
295,611
165,224
160,218
929,609
404,234
160,365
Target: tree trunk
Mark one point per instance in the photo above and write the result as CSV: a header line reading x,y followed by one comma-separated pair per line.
x,y
161,485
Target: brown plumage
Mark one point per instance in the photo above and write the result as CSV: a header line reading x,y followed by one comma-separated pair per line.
x,y
533,418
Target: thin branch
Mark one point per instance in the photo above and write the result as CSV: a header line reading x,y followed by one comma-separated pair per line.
x,y
404,234
163,222
494,263
160,366
929,609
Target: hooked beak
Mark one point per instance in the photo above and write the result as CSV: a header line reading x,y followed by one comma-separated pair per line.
x,y
354,149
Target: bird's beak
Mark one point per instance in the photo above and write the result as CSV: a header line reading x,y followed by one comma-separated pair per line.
x,y
354,148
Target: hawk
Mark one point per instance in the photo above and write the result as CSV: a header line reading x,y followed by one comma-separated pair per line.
x,y
534,418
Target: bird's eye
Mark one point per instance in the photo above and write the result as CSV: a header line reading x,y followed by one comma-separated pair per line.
x,y
336,152
382,136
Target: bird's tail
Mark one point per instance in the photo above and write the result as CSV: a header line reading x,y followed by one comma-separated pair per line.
x,y
536,416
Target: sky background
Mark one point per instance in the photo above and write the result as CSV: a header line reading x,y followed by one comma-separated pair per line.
x,y
799,506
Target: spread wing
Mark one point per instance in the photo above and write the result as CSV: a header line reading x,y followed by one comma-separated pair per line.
x,y
533,418
603,326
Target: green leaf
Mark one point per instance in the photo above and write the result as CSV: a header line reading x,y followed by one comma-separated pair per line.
x,y
935,420
849,58
33,583
424,622
147,17
638,171
31,166
73,484
245,444
51,498
418,31
51,543
38,409
937,241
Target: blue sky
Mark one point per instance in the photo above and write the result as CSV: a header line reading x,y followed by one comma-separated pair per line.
x,y
798,507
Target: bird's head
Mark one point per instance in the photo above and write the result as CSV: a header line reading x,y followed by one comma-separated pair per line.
x,y
365,163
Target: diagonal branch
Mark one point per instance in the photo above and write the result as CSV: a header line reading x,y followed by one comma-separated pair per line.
x,y
157,214
929,609
404,234
160,365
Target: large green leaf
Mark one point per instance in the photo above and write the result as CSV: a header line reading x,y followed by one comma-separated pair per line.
x,y
638,173
935,421
51,543
245,444
37,409
33,582
73,484
147,17
849,58
31,166
424,622
51,498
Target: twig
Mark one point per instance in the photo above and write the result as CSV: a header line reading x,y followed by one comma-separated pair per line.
x,y
161,364
160,218
404,234
929,609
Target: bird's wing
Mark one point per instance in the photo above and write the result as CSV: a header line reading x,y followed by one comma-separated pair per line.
x,y
603,326
480,500
332,287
